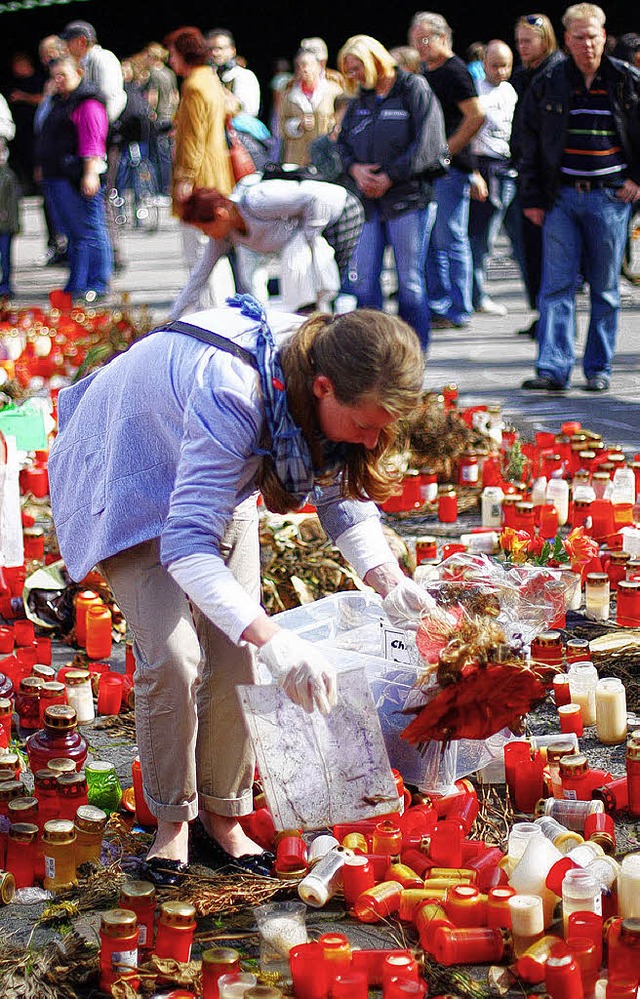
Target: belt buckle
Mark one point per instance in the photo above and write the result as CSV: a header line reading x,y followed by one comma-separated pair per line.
x,y
583,186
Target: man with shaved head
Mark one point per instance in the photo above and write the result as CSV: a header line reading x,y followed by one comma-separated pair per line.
x,y
493,186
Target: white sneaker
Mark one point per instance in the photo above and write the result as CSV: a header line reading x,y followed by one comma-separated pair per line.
x,y
491,308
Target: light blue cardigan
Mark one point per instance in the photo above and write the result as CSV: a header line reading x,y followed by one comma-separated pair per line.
x,y
161,443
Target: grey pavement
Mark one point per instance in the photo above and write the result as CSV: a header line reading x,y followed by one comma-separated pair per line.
x,y
488,361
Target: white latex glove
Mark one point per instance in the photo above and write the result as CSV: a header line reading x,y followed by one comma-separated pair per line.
x,y
301,670
405,604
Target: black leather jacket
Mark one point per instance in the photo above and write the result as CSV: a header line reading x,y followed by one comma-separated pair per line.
x,y
404,133
545,117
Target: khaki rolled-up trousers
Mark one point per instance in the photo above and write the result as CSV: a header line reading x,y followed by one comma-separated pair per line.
x,y
194,749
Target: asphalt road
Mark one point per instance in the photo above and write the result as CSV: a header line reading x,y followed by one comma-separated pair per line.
x,y
488,361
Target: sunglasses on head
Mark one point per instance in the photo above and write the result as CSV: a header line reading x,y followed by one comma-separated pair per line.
x,y
534,20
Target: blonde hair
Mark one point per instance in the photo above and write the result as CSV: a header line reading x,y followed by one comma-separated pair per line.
x,y
544,27
370,358
583,12
377,61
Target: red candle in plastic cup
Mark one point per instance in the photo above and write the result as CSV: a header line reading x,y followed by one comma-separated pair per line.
x,y
43,649
398,966
109,693
570,716
308,971
562,977
350,985
561,691
448,508
357,876
23,632
400,988
528,783
6,640
549,522
515,752
445,845
587,926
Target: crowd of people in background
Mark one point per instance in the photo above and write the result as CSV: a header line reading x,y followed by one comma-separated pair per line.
x,y
436,154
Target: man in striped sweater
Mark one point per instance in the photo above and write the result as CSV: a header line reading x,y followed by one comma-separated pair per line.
x,y
580,173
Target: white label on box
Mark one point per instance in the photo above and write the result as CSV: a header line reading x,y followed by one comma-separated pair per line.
x,y
395,646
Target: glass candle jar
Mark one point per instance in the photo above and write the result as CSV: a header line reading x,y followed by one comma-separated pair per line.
x,y
574,776
308,971
387,838
236,986
105,790
617,568
89,828
45,789
51,692
28,702
61,765
633,776
72,793
555,753
628,604
498,911
21,853
611,711
140,897
561,691
6,715
9,766
99,640
629,887
547,648
597,596
176,926
84,600
445,843
583,678
623,943
118,946
580,893
58,841
562,977
570,719
58,738
600,828
519,837
216,962
466,906
577,650
448,507
80,694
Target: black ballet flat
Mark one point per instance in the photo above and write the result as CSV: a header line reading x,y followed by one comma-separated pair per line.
x,y
164,873
217,857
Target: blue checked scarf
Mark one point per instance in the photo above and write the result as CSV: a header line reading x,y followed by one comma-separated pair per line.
x,y
288,448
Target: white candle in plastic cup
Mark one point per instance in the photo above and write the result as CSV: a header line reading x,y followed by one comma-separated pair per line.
x,y
611,711
629,887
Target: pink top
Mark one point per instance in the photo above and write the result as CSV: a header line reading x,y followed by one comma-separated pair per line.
x,y
92,124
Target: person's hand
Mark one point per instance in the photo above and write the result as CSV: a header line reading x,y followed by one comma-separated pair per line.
x,y
366,177
406,603
182,190
301,670
629,191
535,215
308,122
90,183
479,189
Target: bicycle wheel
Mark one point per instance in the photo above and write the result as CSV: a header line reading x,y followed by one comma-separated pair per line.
x,y
631,260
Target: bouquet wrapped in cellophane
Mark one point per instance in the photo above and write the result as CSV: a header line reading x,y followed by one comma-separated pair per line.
x,y
475,641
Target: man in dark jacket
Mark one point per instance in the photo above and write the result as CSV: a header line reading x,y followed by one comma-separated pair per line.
x,y
579,174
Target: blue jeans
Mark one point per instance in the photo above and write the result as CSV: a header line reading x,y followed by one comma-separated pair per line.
x,y
486,217
582,231
449,267
5,262
408,236
83,222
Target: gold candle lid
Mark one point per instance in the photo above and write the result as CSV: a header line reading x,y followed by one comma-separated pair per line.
x,y
8,763
10,789
134,891
51,688
31,685
263,992
90,819
61,765
573,766
6,706
18,805
629,585
118,922
549,637
597,578
74,677
620,557
23,832
7,887
45,672
58,831
71,784
177,913
61,717
220,955
630,928
557,750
